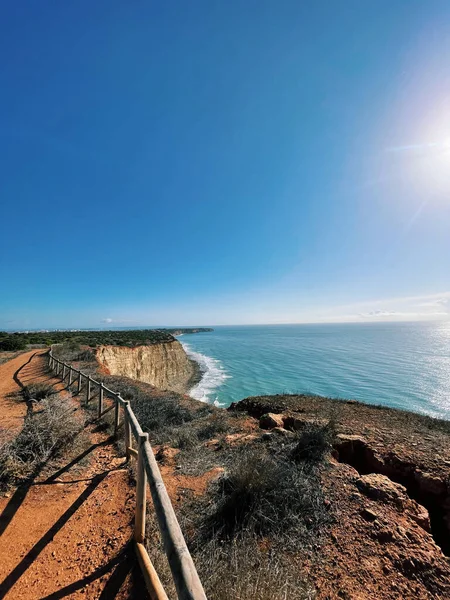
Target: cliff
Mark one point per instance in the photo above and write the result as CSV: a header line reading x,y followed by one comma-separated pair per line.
x,y
165,365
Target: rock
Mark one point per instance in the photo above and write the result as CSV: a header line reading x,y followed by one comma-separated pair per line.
x,y
380,487
295,423
355,450
349,438
419,514
368,514
166,455
270,421
383,533
235,439
430,484
283,432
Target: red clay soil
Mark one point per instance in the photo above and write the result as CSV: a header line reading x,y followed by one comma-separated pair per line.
x,y
66,534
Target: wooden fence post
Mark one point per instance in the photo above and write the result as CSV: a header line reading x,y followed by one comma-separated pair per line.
x,y
88,390
64,371
127,428
100,399
70,377
117,414
141,493
79,382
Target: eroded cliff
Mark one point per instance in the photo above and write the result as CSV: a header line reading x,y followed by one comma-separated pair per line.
x,y
165,365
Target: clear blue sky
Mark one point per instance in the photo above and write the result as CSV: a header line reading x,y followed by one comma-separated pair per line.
x,y
224,162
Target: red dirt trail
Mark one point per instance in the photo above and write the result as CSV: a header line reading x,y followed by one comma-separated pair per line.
x,y
67,532
12,412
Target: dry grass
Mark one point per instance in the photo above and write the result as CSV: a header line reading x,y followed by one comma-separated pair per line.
x,y
6,355
242,569
313,443
218,423
38,391
265,495
47,432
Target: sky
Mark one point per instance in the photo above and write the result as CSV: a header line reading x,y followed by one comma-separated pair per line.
x,y
212,162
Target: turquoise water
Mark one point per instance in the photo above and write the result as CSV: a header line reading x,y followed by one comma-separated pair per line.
x,y
403,365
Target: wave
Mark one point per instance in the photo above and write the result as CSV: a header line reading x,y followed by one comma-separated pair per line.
x,y
213,376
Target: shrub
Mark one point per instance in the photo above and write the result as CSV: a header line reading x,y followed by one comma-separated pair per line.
x,y
46,433
12,343
86,356
68,351
160,412
266,495
314,442
185,439
217,424
242,569
38,391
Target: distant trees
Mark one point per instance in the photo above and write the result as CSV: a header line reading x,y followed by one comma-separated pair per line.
x,y
11,343
137,337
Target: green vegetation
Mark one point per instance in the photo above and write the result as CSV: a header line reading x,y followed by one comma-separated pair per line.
x,y
138,337
314,443
11,343
72,351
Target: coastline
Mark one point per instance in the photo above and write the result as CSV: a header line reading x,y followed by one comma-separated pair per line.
x,y
209,375
197,375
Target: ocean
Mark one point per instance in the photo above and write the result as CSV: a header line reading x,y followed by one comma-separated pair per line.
x,y
402,365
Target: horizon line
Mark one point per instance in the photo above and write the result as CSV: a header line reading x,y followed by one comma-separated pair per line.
x,y
155,327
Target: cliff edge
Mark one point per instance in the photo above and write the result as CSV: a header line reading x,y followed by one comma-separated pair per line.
x,y
164,365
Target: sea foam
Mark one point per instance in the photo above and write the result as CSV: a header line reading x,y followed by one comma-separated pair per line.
x,y
213,376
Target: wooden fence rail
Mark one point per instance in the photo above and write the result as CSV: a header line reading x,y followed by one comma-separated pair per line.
x,y
183,570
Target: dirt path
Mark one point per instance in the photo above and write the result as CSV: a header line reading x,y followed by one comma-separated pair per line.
x,y
66,533
11,411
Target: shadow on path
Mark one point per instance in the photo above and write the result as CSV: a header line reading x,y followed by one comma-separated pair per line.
x,y
17,499
21,491
121,566
77,459
32,555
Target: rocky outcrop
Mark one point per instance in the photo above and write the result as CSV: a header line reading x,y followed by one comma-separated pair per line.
x,y
165,365
288,422
270,421
380,487
426,489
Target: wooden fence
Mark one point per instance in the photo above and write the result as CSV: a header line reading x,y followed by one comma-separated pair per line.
x,y
137,446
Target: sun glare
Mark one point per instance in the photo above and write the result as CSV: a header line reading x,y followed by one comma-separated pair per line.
x,y
429,168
